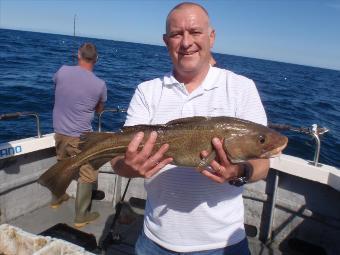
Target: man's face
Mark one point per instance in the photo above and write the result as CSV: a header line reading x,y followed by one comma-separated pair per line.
x,y
189,39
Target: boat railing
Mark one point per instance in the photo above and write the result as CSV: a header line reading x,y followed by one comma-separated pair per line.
x,y
114,110
16,115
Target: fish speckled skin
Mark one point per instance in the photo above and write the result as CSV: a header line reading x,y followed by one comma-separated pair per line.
x,y
188,137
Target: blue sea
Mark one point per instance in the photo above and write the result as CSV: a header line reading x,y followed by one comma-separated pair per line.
x,y
292,94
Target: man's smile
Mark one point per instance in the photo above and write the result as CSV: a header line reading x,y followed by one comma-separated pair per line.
x,y
188,52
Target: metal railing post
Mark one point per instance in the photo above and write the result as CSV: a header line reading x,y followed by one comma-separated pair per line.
x,y
272,207
118,109
315,132
38,124
317,140
15,115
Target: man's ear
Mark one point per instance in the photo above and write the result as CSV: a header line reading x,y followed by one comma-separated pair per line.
x,y
212,38
165,39
79,56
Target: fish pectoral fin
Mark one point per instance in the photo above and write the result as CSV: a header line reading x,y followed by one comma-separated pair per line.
x,y
206,161
232,154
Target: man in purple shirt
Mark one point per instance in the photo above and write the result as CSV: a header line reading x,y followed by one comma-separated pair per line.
x,y
78,94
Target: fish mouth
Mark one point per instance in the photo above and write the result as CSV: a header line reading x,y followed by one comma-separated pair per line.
x,y
274,153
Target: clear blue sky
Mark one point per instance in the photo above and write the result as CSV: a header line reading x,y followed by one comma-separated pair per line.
x,y
294,31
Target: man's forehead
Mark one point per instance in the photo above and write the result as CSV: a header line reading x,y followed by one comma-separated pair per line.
x,y
191,16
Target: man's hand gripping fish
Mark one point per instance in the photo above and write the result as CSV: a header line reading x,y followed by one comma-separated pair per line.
x,y
187,138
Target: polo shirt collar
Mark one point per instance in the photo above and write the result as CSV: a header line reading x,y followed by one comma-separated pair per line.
x,y
212,80
169,79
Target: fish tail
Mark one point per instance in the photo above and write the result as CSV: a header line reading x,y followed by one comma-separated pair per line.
x,y
59,176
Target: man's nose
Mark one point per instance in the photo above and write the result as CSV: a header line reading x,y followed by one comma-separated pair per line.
x,y
187,40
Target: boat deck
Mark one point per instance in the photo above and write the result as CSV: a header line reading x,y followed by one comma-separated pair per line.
x,y
46,217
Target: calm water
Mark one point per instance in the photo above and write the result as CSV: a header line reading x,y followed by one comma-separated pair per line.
x,y
292,94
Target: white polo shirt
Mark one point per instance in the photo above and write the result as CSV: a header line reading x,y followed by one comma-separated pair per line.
x,y
186,211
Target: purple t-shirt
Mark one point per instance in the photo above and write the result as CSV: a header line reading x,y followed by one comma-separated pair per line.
x,y
77,92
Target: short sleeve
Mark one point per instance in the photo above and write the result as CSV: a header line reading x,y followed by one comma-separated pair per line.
x,y
249,105
138,111
55,76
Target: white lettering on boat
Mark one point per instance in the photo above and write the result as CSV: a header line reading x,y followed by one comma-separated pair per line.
x,y
10,151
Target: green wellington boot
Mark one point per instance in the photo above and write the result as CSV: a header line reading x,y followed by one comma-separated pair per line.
x,y
83,201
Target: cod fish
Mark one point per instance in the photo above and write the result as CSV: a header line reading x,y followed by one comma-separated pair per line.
x,y
187,137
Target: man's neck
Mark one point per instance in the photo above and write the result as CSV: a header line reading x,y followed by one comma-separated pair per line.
x,y
86,66
192,80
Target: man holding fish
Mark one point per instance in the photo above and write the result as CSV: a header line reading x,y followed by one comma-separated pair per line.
x,y
196,135
192,210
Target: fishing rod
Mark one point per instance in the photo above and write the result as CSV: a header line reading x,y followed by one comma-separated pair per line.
x,y
305,130
112,238
74,39
16,115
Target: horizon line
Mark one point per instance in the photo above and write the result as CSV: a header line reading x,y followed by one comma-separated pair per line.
x,y
214,52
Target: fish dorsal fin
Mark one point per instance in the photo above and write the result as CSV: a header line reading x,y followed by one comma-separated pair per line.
x,y
138,128
88,139
187,120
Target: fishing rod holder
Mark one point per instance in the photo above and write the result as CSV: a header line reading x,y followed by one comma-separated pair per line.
x,y
16,115
315,133
114,110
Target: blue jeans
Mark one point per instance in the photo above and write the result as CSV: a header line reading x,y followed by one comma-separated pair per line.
x,y
145,246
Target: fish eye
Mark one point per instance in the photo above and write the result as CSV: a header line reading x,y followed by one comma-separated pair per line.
x,y
262,139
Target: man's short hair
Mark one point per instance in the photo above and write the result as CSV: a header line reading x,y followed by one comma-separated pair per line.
x,y
181,5
88,52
